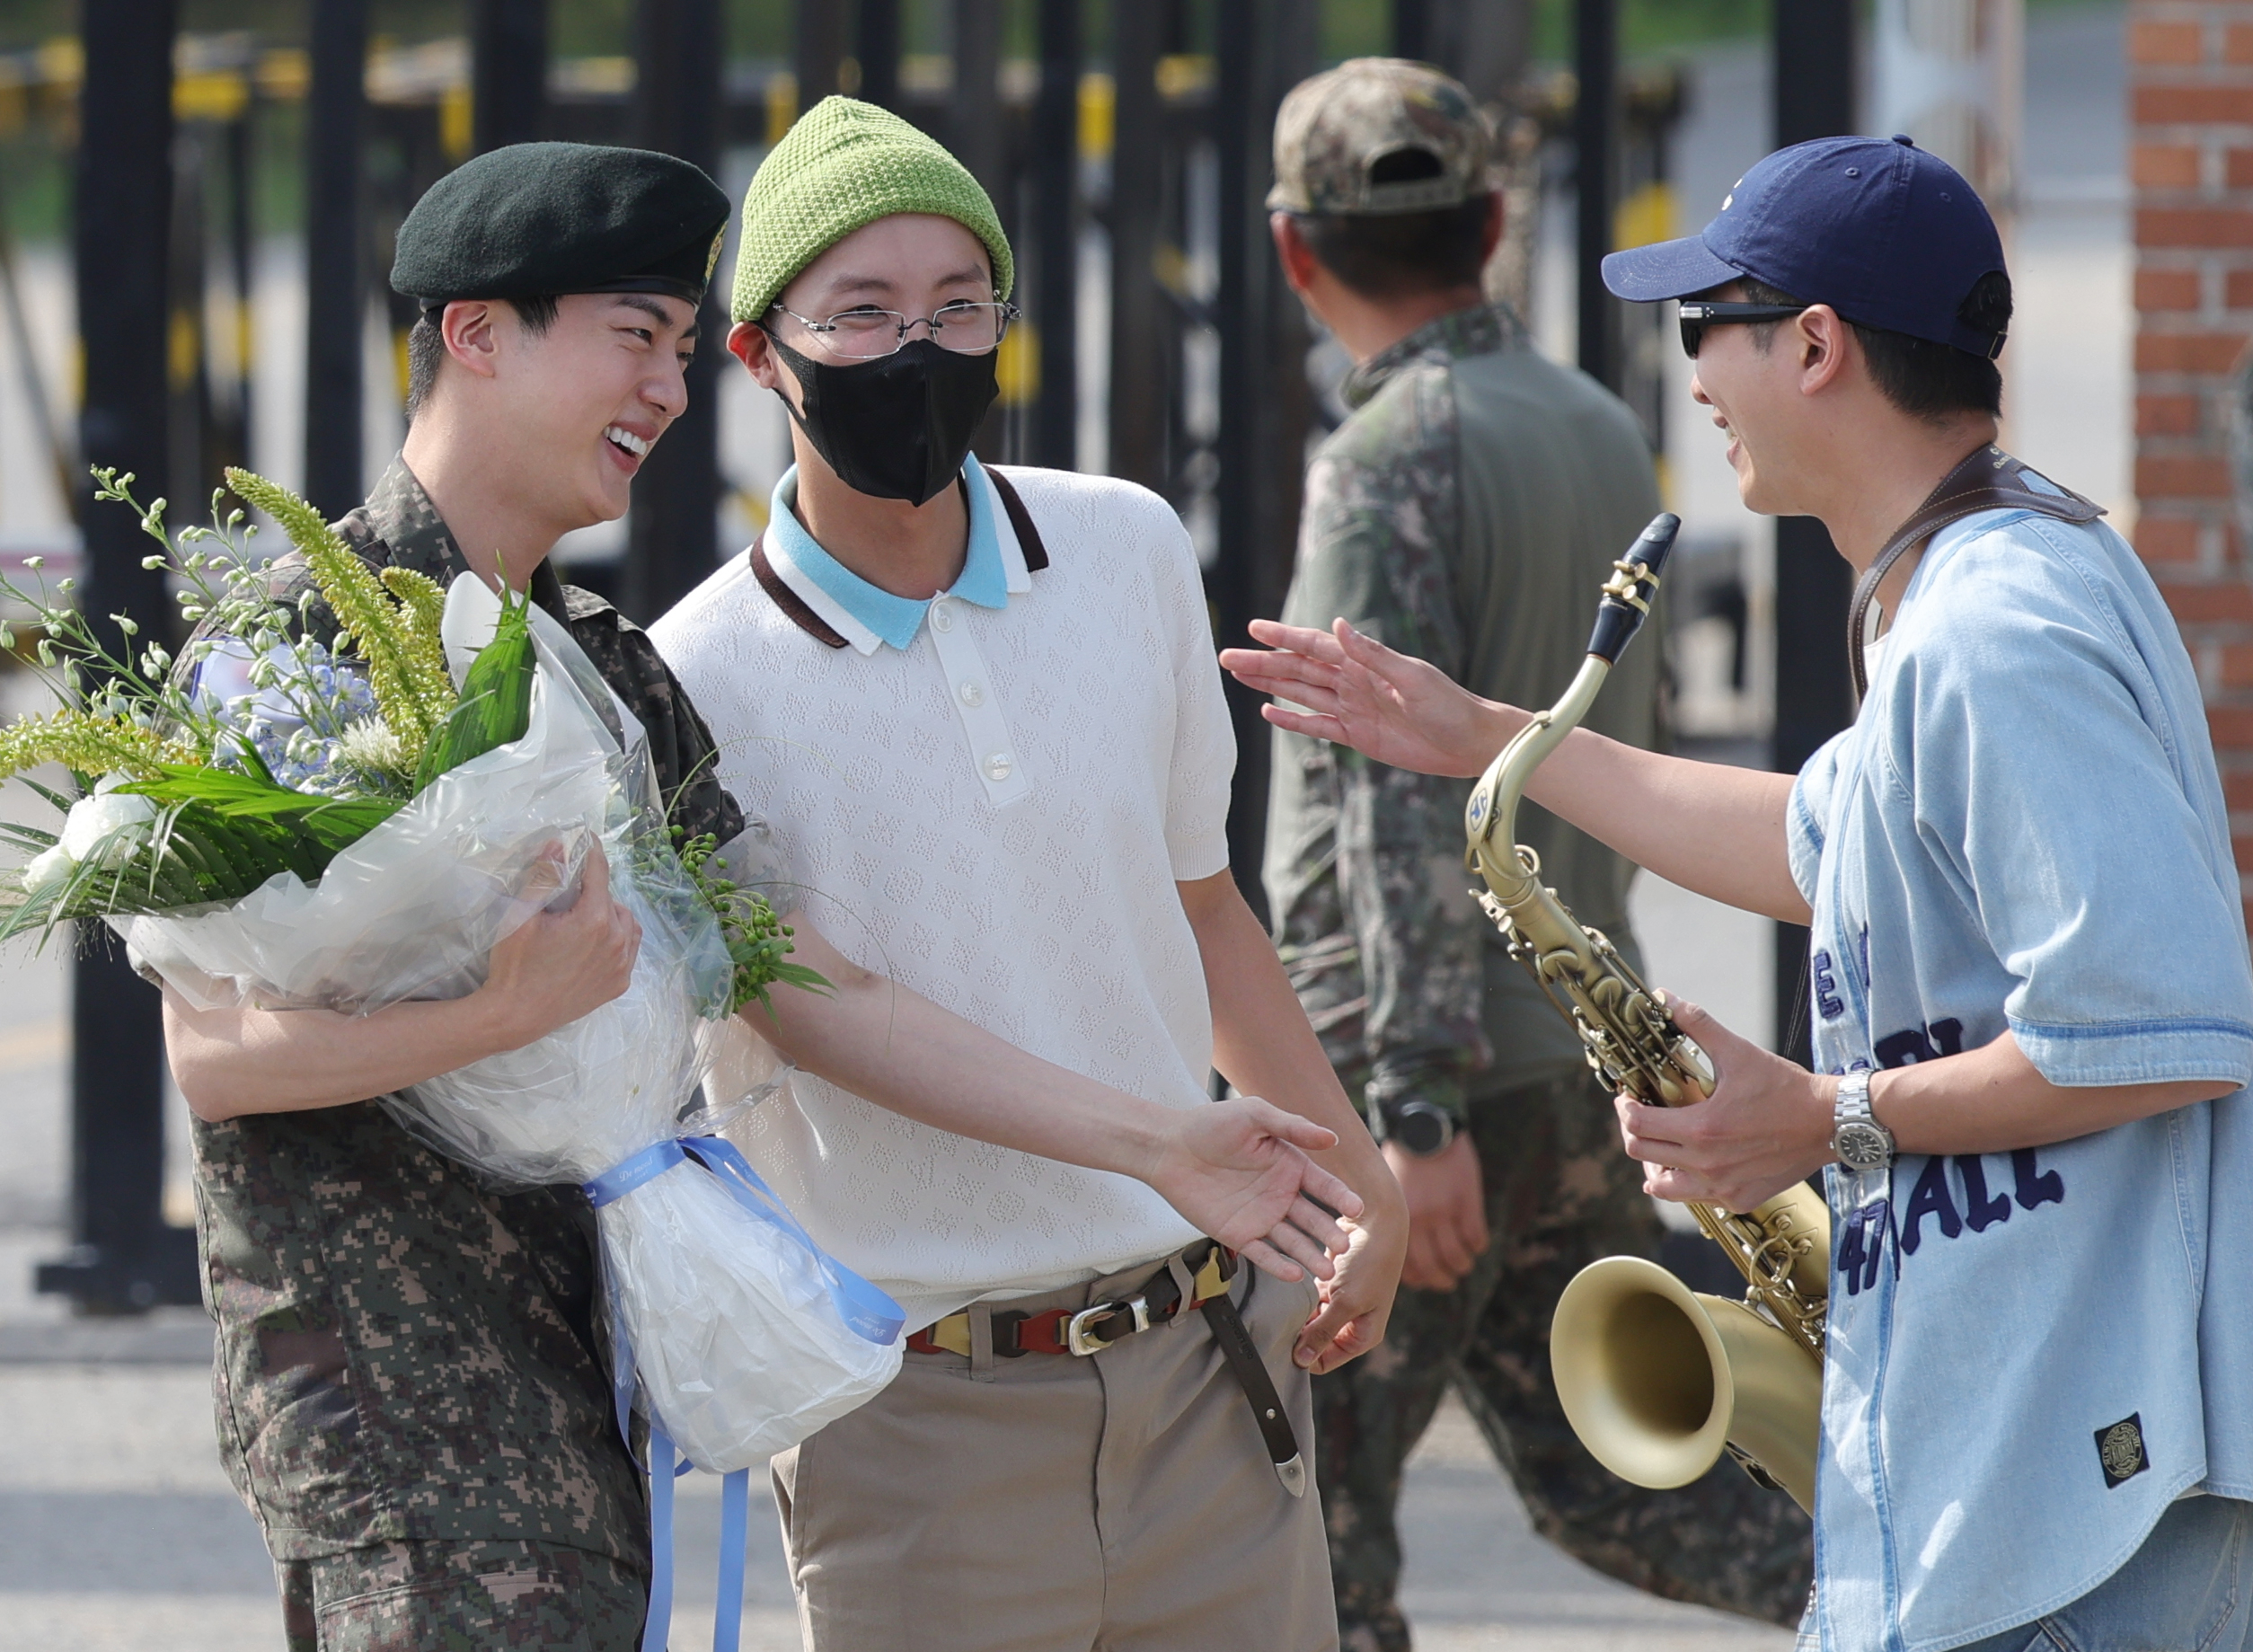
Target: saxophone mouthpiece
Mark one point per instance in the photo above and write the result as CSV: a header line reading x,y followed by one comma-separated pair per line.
x,y
1634,584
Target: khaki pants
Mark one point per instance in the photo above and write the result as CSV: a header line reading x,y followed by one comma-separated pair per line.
x,y
1121,1503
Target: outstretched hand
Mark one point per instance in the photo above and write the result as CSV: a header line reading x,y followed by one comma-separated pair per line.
x,y
1386,705
1239,1170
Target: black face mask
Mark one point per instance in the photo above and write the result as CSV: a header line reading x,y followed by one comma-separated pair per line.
x,y
897,427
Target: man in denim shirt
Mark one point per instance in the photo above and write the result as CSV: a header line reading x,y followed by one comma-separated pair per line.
x,y
2032,999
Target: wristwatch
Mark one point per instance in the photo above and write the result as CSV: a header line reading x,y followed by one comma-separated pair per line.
x,y
1422,1128
1861,1141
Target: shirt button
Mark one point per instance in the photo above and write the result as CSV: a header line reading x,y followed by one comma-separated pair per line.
x,y
972,694
941,617
998,766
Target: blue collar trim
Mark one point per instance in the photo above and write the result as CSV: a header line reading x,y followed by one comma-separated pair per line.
x,y
892,619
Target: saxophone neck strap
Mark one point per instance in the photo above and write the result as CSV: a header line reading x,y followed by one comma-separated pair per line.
x,y
1989,479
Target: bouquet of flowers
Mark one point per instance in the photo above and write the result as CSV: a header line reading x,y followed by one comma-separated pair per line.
x,y
276,820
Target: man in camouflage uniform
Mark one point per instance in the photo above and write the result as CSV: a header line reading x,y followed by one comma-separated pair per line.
x,y
412,1390
1466,512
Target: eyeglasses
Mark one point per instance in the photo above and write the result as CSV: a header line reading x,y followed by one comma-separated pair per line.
x,y
1697,317
869,335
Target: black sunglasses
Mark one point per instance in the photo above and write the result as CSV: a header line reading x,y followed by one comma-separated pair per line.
x,y
1697,315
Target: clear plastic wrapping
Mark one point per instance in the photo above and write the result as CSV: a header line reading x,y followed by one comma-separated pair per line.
x,y
742,1332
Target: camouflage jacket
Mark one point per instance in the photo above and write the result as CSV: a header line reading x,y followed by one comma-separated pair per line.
x,y
403,1351
1467,512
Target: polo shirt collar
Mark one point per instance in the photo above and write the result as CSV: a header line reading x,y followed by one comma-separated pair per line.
x,y
866,615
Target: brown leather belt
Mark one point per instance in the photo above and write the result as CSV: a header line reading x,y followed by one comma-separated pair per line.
x,y
1090,1331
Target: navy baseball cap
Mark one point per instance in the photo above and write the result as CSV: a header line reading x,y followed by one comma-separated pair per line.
x,y
1884,233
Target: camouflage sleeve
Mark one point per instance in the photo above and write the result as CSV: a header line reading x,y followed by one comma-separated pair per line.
x,y
682,751
1377,544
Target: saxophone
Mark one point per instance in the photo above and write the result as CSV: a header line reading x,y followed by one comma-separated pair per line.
x,y
1656,1380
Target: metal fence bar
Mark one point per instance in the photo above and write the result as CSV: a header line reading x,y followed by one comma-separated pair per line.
x,y
1265,47
875,47
673,531
508,72
1138,368
1596,54
1813,69
817,49
124,1257
334,294
1055,166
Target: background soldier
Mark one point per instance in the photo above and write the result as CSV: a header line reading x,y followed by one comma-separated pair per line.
x,y
1464,513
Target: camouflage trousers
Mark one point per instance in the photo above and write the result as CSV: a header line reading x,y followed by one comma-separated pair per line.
x,y
462,1597
1559,1193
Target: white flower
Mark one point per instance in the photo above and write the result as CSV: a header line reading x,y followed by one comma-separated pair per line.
x,y
47,868
472,614
107,827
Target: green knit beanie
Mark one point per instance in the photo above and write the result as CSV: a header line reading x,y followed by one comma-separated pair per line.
x,y
847,164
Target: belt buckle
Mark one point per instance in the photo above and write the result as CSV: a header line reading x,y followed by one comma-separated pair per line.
x,y
1077,1332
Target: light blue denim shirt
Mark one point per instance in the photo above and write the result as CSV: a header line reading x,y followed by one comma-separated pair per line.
x,y
2024,831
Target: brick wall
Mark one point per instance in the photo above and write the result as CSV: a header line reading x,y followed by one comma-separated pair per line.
x,y
2190,90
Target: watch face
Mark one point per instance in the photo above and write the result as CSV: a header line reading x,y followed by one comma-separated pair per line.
x,y
1862,1147
1420,1130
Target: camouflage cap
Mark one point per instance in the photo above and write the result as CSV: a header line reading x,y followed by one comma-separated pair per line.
x,y
1337,132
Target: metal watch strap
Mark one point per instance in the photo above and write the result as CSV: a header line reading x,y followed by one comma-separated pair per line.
x,y
1859,1141
1250,1372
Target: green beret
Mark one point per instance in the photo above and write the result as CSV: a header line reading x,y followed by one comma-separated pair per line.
x,y
844,165
534,220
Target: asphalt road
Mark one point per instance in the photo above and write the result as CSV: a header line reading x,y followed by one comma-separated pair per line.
x,y
117,1533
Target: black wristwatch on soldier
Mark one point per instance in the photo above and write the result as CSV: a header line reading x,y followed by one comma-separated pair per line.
x,y
1421,1128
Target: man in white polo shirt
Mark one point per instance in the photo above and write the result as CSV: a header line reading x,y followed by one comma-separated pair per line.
x,y
980,715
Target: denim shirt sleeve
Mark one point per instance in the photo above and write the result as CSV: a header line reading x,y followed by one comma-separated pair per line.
x,y
1804,816
2047,737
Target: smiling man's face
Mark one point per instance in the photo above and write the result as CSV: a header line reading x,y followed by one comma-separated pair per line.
x,y
1754,393
585,401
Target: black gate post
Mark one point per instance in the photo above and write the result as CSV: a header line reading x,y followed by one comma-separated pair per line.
x,y
1266,46
1813,68
1595,57
1055,295
673,532
335,300
974,112
509,73
123,1256
973,133
876,48
1138,368
1412,30
818,50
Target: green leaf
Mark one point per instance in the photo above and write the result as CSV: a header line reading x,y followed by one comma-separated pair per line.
x,y
496,704
331,824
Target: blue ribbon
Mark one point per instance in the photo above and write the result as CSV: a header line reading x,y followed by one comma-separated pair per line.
x,y
867,1311
623,1177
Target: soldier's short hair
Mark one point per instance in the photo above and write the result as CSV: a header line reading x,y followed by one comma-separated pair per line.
x,y
426,346
1394,255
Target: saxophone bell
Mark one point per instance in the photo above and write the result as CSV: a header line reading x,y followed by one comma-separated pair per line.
x,y
1659,1381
